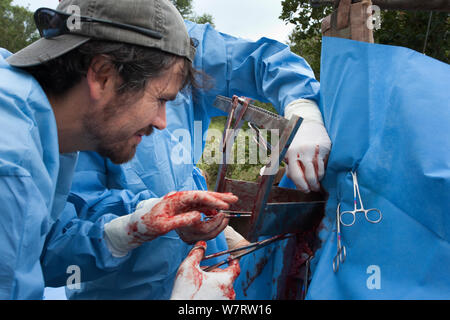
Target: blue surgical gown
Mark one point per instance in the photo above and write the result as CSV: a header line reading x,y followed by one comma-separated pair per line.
x,y
34,181
265,70
391,127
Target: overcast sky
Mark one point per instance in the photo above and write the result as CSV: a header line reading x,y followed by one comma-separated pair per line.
x,y
249,19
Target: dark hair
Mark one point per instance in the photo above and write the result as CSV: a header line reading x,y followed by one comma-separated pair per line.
x,y
135,65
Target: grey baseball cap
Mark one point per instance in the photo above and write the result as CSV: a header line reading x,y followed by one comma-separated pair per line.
x,y
157,15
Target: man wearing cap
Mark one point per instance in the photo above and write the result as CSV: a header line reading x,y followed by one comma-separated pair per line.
x,y
265,70
90,84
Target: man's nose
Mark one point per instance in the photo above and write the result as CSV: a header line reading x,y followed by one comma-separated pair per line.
x,y
160,121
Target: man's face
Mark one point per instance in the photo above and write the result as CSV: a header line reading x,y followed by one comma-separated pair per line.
x,y
118,128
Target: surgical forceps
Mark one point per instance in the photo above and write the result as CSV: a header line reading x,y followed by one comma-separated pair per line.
x,y
341,251
376,212
252,247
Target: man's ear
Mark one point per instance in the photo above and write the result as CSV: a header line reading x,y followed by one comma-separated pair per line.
x,y
101,78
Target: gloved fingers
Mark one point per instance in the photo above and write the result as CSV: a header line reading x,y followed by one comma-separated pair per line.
x,y
242,243
195,256
216,231
184,219
170,193
209,212
312,167
320,168
201,232
233,270
228,197
200,200
295,172
210,225
198,195
310,174
322,160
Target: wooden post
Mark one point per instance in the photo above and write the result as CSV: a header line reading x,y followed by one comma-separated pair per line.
x,y
350,21
421,5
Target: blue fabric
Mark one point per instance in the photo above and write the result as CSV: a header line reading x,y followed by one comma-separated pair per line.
x,y
262,271
387,113
264,70
34,181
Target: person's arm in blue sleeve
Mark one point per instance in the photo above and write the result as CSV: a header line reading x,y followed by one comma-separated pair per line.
x,y
101,225
77,237
23,209
29,182
266,70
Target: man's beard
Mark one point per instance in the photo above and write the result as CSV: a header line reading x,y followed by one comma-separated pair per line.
x,y
119,147
120,152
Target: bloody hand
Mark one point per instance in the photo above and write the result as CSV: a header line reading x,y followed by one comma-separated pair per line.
x,y
155,217
206,230
192,283
182,211
309,150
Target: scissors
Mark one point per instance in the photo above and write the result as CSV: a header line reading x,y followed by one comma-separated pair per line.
x,y
376,213
341,251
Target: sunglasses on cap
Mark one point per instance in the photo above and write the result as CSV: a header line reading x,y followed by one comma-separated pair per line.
x,y
52,23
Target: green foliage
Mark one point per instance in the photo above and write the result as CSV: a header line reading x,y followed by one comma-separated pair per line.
x,y
306,38
246,171
205,18
400,28
17,26
309,49
211,169
186,9
307,20
408,29
184,6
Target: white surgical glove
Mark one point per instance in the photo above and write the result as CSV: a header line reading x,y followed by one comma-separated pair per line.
x,y
234,240
192,283
156,217
308,153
